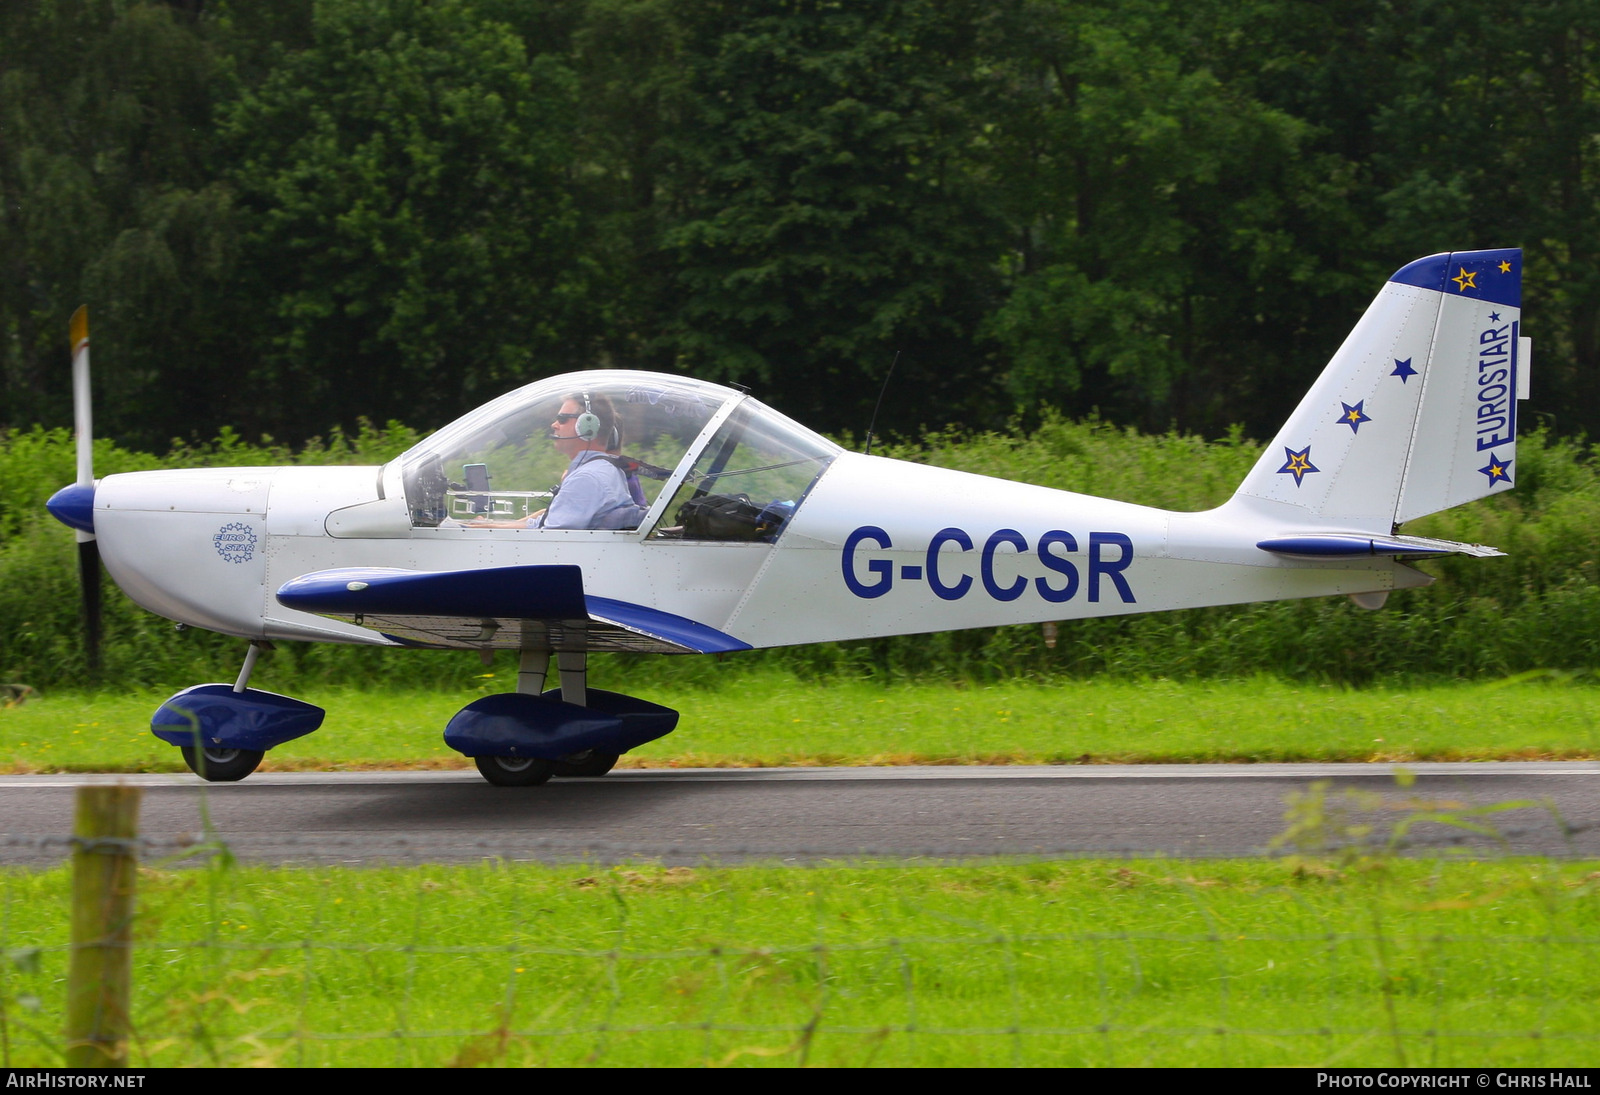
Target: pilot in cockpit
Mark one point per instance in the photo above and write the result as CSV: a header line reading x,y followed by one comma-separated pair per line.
x,y
595,491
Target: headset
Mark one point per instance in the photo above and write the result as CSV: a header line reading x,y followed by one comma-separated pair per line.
x,y
588,424
586,427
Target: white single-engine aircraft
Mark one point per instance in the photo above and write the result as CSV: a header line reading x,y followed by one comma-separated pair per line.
x,y
730,527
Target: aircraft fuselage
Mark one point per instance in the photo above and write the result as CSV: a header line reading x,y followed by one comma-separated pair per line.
x,y
878,547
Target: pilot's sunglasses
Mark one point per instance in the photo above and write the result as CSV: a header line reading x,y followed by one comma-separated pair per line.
x,y
569,416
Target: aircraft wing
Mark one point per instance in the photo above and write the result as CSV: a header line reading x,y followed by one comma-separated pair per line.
x,y
522,607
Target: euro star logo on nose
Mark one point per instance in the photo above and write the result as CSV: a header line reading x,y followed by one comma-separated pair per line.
x,y
1298,465
1464,280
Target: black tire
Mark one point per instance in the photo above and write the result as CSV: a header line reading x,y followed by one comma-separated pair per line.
x,y
514,771
221,765
589,763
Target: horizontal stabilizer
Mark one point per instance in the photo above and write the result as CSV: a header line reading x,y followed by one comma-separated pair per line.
x,y
526,608
1326,545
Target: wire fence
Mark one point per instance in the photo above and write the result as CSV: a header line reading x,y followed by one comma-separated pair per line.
x,y
1336,956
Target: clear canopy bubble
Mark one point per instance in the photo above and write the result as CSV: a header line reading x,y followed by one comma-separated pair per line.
x,y
735,469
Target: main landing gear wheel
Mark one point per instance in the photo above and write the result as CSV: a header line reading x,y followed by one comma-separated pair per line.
x,y
514,771
590,762
221,765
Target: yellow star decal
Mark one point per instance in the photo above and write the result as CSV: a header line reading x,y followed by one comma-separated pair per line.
x,y
1464,280
1353,415
1505,267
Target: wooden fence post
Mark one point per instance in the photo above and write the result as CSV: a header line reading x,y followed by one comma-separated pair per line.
x,y
105,866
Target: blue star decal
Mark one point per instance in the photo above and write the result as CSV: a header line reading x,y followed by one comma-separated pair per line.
x,y
1298,465
1354,416
1498,470
1403,369
1494,317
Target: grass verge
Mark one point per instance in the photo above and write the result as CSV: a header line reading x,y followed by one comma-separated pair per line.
x,y
1287,962
774,719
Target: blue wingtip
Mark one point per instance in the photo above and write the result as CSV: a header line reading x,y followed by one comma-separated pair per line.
x,y
73,506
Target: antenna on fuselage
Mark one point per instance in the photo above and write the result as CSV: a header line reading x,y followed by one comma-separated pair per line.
x,y
871,425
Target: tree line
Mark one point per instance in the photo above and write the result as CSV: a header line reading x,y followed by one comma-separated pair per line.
x,y
286,217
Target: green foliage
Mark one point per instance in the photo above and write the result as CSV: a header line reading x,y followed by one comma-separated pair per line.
x,y
404,178
830,212
109,194
1146,176
1455,124
1172,470
287,214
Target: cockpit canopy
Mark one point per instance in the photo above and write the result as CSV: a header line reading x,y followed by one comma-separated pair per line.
x,y
701,462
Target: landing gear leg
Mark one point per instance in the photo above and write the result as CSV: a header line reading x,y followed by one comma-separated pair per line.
x,y
574,670
249,667
533,666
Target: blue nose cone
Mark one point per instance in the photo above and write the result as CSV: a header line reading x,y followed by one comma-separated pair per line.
x,y
73,506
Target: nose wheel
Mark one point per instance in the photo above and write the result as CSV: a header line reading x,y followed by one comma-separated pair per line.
x,y
221,765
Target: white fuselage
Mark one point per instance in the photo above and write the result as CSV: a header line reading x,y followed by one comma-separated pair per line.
x,y
211,547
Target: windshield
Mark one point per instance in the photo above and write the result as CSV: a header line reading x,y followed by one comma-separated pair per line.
x,y
748,479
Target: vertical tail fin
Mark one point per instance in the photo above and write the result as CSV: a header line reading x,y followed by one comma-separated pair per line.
x,y
1417,410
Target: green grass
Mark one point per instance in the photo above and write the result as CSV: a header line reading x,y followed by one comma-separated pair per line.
x,y
765,719
1076,963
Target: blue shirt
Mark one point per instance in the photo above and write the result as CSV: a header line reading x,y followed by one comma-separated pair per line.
x,y
594,494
